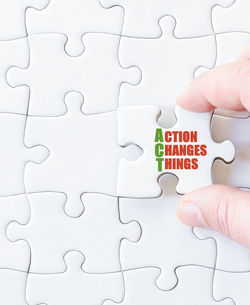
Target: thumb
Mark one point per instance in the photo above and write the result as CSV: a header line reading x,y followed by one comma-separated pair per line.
x,y
218,207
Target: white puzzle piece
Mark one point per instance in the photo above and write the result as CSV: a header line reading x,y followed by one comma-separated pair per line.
x,y
84,153
97,233
194,288
234,18
74,18
14,154
13,53
167,65
13,255
233,285
236,173
229,47
51,74
165,242
138,125
74,286
231,256
12,287
193,17
12,17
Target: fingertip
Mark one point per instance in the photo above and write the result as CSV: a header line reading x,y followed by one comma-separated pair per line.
x,y
190,214
192,98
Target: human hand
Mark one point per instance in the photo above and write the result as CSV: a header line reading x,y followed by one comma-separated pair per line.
x,y
218,207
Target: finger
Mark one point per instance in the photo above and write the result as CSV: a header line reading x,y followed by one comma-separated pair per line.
x,y
225,87
221,208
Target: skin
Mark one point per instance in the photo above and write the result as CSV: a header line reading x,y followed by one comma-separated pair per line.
x,y
218,207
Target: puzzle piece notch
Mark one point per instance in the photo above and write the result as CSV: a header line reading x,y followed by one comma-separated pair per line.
x,y
74,19
189,22
85,167
139,178
12,17
51,74
74,285
141,289
163,60
158,220
14,154
237,173
13,52
14,256
51,233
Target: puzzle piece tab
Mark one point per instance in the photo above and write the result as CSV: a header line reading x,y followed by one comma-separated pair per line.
x,y
97,233
139,125
165,242
13,53
193,17
75,18
14,154
194,288
13,255
74,286
51,74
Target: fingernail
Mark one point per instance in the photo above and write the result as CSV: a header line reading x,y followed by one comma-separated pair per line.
x,y
191,215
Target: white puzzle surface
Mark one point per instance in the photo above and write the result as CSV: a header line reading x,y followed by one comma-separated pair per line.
x,y
87,97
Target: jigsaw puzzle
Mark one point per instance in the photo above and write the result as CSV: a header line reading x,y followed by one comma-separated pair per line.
x,y
95,154
185,150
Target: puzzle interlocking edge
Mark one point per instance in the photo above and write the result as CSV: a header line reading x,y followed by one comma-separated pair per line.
x,y
127,271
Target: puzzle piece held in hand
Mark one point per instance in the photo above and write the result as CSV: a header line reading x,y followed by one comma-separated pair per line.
x,y
138,125
97,233
194,287
165,242
51,74
74,286
142,16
